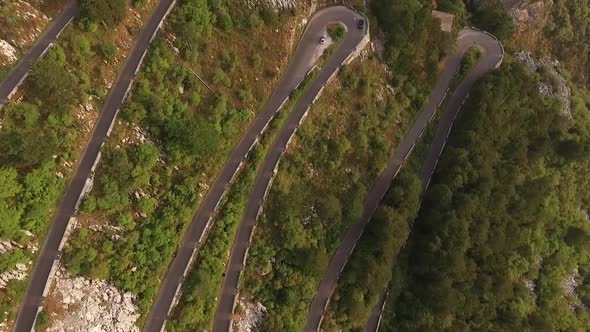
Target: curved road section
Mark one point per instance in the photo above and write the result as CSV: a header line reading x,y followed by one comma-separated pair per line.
x,y
494,53
18,74
49,255
301,63
492,58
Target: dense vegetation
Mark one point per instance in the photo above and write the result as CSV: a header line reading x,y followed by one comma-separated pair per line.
x,y
503,225
196,308
146,191
414,42
490,16
569,33
106,12
27,155
367,274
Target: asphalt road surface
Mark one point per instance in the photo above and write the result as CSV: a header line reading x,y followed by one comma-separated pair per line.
x,y
299,66
493,56
34,294
22,69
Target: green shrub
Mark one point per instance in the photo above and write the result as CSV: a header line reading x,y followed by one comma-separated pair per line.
x,y
108,12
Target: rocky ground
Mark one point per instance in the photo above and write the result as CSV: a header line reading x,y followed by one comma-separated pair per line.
x,y
530,19
277,5
21,23
19,273
552,82
250,316
91,306
569,285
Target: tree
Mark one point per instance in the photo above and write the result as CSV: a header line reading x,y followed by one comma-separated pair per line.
x,y
9,183
147,205
9,220
108,12
190,137
191,24
53,84
494,19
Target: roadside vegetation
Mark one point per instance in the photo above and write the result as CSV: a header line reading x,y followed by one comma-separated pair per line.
x,y
501,241
490,16
470,59
42,136
173,137
196,309
349,134
367,275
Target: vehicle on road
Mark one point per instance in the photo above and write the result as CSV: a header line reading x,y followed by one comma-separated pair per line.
x,y
323,40
361,24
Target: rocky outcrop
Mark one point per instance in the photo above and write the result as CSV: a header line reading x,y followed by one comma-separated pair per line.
x,y
552,82
19,273
530,19
28,22
250,316
7,52
569,285
277,5
91,306
527,14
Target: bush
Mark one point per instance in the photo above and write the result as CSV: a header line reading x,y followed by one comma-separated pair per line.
x,y
336,32
108,12
53,83
108,51
494,19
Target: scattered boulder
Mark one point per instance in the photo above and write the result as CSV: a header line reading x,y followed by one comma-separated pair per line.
x,y
92,305
251,315
18,273
569,285
277,5
7,52
552,84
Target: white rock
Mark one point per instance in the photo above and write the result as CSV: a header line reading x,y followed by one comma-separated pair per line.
x,y
93,306
251,316
7,51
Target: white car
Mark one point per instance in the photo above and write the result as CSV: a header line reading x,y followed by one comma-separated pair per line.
x,y
323,40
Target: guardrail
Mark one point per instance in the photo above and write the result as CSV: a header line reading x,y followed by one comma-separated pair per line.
x,y
71,221
425,187
209,223
362,44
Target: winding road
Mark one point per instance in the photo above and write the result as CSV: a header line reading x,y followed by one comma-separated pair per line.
x,y
48,259
17,75
301,63
491,59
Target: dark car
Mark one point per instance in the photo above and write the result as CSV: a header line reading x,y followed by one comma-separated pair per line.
x,y
361,24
